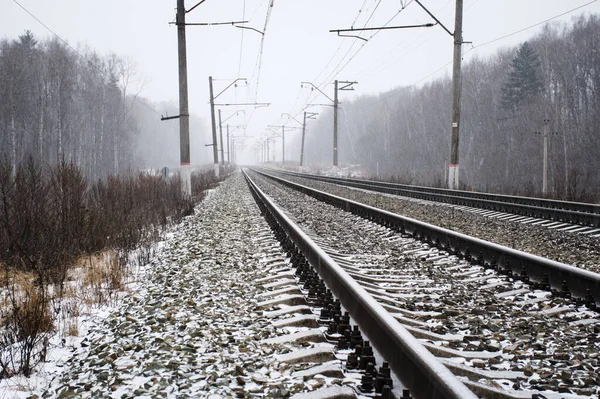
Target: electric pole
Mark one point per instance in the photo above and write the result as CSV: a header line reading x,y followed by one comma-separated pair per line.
x,y
184,114
221,139
453,174
214,127
335,124
545,135
283,137
229,150
307,115
268,150
303,136
228,147
345,86
545,167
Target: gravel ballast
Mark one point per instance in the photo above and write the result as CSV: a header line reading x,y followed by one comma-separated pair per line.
x,y
475,319
573,249
194,329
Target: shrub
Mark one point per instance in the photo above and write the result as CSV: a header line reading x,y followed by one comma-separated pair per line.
x,y
25,324
50,218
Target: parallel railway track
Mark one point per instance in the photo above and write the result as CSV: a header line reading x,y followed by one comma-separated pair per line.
x,y
579,217
422,286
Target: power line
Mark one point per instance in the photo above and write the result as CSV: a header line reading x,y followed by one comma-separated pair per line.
x,y
531,26
241,54
333,73
336,70
372,36
256,10
373,13
402,48
258,64
359,12
242,39
395,93
339,48
78,53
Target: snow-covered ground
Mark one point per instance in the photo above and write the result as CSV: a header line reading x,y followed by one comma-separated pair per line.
x,y
190,326
82,309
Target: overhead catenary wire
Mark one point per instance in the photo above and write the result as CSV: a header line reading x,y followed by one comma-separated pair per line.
x,y
342,43
241,55
403,89
403,48
258,64
359,11
531,26
338,69
344,59
262,44
334,72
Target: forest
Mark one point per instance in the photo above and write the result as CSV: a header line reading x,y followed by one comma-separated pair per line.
x,y
81,200
549,85
61,103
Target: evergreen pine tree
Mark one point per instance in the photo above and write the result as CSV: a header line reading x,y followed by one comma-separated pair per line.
x,y
524,79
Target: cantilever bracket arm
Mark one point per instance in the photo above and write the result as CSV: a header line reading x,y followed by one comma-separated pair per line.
x,y
231,84
209,23
316,105
427,25
234,114
356,37
290,116
435,19
192,9
320,91
248,27
347,85
166,118
244,104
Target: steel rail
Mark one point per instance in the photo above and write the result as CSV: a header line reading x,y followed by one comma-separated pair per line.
x,y
417,368
563,211
561,277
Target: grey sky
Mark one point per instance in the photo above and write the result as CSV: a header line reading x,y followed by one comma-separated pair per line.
x,y
297,44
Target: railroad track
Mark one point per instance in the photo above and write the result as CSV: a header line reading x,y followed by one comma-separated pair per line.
x,y
575,217
417,290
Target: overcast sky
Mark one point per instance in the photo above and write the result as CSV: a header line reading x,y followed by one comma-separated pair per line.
x,y
297,44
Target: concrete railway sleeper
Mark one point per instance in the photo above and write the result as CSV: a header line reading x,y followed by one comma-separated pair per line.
x,y
417,368
504,338
563,211
583,285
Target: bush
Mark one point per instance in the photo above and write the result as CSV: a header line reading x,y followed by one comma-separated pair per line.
x,y
50,218
25,324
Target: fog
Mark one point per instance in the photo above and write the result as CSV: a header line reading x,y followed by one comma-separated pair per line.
x,y
296,46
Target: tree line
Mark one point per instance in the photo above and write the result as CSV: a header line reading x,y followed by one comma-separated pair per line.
x,y
60,103
547,85
73,135
53,220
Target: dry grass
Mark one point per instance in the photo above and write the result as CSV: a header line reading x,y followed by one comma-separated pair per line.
x,y
25,299
19,277
72,330
103,276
